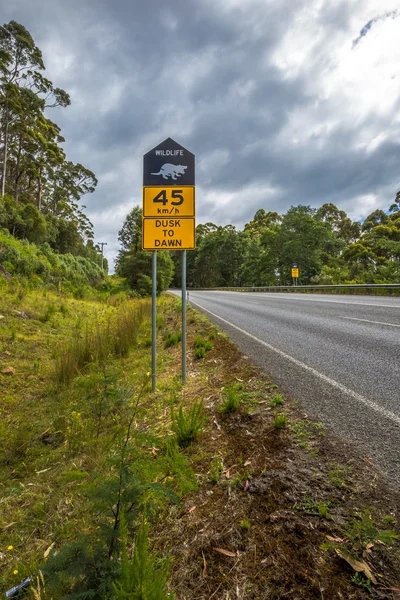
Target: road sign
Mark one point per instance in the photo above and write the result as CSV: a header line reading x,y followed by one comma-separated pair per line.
x,y
169,234
169,163
174,201
295,273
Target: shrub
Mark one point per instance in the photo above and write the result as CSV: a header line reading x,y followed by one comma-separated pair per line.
x,y
230,399
187,425
172,339
277,400
201,346
280,420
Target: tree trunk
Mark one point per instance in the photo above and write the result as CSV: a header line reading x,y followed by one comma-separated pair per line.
x,y
39,196
18,174
4,174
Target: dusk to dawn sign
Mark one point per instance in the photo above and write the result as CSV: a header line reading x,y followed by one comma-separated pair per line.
x,y
169,198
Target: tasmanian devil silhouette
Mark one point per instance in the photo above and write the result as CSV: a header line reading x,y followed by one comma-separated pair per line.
x,y
169,170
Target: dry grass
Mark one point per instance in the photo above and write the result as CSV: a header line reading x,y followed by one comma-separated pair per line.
x,y
99,341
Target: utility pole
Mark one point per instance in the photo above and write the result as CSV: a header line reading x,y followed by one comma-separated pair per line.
x,y
102,244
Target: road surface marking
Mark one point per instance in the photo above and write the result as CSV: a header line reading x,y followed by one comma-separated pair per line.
x,y
339,386
335,301
368,321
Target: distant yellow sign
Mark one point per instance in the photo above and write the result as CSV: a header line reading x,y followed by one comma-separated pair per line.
x,y
168,201
295,273
169,234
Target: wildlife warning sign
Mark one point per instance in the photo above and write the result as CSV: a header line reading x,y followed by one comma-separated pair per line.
x,y
169,198
169,163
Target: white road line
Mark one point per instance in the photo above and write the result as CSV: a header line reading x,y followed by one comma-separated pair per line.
x,y
279,297
339,386
368,321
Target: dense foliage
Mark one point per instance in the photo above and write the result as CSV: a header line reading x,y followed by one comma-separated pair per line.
x,y
38,266
40,189
134,264
327,246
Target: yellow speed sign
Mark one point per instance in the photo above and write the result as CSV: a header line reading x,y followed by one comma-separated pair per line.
x,y
168,201
169,234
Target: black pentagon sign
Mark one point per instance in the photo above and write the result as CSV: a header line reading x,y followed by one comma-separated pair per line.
x,y
169,163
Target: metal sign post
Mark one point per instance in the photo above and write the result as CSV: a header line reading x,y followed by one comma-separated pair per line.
x,y
184,316
169,218
295,274
153,321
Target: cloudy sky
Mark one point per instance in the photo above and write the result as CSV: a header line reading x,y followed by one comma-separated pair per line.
x,y
282,101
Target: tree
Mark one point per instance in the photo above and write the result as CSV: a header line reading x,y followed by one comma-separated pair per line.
x,y
34,171
135,264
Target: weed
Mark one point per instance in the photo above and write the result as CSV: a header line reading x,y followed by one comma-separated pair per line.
x,y
277,400
312,507
199,352
323,510
172,339
305,431
187,425
48,313
361,581
339,475
362,531
245,524
230,399
389,520
216,469
280,420
13,333
201,346
212,335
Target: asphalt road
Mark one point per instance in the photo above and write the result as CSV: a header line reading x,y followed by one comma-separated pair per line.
x,y
339,356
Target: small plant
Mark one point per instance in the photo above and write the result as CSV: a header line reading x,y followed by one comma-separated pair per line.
x,y
339,476
277,400
140,578
362,531
245,524
199,352
212,335
230,399
187,425
216,469
172,339
389,520
323,510
201,346
361,581
280,420
312,507
13,333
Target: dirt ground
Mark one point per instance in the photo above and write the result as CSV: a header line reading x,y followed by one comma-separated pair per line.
x,y
289,512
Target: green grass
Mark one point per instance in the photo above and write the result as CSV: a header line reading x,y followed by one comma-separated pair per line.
x,y
201,347
280,420
172,339
277,400
231,397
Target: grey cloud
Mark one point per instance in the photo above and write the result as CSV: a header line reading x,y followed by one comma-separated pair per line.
x,y
201,72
